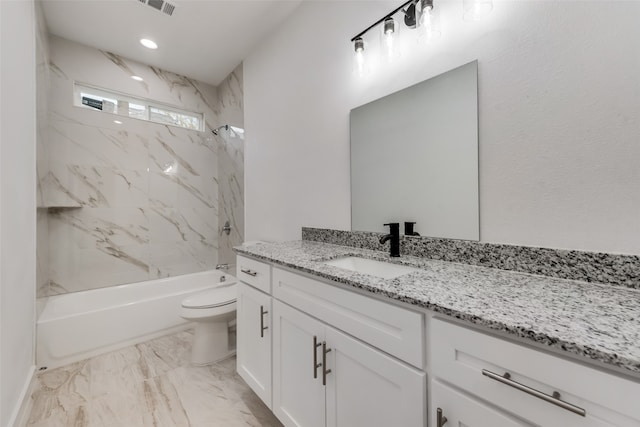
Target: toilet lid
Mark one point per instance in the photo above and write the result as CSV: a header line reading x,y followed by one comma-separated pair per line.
x,y
216,297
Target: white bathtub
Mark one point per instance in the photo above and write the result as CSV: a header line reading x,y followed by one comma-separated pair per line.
x,y
79,325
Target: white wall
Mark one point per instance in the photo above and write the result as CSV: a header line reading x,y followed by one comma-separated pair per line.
x,y
559,117
17,203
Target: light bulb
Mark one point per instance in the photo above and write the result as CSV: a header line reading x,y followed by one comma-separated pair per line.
x,y
148,43
388,39
429,22
475,10
360,66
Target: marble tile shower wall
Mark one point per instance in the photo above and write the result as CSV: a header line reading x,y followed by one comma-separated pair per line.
x,y
42,152
128,202
231,166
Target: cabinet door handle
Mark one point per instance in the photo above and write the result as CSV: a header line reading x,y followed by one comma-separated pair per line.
x,y
440,419
316,365
249,272
262,327
553,398
325,371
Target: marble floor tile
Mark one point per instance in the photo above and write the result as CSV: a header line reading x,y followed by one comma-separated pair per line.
x,y
61,391
164,354
149,384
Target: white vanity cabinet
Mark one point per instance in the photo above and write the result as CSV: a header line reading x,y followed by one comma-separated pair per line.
x,y
458,409
253,347
320,356
368,388
537,388
254,273
324,355
323,377
298,393
254,326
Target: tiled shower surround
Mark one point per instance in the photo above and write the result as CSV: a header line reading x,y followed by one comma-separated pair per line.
x,y
621,270
42,151
136,201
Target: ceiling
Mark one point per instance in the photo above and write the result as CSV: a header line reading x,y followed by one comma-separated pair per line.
x,y
202,39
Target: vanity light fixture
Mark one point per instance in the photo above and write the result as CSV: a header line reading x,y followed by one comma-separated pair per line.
x,y
385,18
359,63
137,78
429,22
421,15
388,35
388,39
148,43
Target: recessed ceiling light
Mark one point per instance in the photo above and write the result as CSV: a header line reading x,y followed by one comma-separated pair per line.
x,y
137,78
148,43
118,122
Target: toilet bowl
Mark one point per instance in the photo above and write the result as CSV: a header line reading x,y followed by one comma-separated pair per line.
x,y
212,311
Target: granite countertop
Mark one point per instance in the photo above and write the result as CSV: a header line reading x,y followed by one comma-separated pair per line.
x,y
596,321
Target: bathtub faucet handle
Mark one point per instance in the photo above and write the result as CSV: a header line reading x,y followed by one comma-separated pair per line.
x,y
224,267
226,228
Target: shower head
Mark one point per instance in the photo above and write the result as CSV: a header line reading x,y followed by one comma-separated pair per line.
x,y
217,130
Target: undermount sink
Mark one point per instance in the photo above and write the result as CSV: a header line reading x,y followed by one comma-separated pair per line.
x,y
384,270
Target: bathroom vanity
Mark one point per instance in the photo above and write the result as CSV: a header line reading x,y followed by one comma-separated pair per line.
x,y
440,344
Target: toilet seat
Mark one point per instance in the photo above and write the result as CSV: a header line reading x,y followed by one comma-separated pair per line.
x,y
217,297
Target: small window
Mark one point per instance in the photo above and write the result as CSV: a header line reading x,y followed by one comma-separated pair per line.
x,y
136,108
175,118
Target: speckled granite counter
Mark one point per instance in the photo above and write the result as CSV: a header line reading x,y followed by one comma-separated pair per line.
x,y
600,322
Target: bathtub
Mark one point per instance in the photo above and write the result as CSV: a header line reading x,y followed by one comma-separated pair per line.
x,y
79,325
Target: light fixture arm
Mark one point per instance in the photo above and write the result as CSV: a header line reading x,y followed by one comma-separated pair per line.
x,y
388,15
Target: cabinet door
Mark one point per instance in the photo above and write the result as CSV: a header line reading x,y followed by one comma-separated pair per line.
x,y
367,388
298,397
464,411
254,342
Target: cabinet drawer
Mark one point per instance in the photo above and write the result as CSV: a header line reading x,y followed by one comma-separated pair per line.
x,y
393,329
254,273
462,410
477,363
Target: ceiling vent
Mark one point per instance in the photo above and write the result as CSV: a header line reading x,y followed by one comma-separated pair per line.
x,y
160,5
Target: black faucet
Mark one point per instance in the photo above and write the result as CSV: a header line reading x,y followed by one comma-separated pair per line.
x,y
394,236
408,229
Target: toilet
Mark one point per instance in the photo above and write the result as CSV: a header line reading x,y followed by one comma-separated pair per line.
x,y
213,312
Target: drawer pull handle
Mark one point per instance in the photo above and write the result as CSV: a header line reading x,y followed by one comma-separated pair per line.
x,y
554,399
325,371
316,365
440,419
249,272
262,327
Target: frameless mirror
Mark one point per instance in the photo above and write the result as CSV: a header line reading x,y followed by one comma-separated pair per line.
x,y
414,158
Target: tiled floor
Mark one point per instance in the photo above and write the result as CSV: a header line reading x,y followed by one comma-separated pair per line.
x,y
149,384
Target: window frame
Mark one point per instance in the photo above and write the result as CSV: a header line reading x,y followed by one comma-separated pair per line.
x,y
80,88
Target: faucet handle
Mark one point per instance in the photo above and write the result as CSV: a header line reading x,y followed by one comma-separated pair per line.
x,y
408,229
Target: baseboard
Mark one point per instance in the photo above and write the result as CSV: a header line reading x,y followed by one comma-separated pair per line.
x,y
21,413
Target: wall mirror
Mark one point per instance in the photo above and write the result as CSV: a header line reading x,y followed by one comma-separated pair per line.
x,y
414,157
